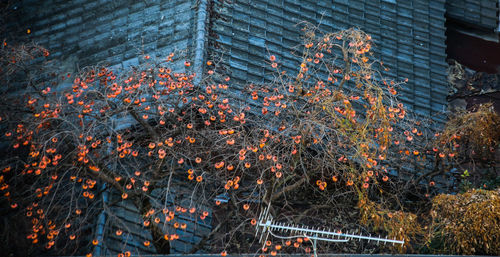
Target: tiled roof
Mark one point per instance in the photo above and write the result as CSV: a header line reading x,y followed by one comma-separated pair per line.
x,y
126,216
408,35
409,38
115,32
478,13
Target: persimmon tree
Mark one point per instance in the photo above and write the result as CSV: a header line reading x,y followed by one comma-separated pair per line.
x,y
134,133
315,146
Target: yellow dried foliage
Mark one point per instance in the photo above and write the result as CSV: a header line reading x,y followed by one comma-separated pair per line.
x,y
467,223
477,131
399,225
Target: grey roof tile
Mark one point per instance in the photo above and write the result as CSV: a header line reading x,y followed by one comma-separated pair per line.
x,y
409,36
479,13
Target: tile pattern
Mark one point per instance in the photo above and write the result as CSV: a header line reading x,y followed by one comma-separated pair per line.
x,y
110,32
130,221
478,13
409,37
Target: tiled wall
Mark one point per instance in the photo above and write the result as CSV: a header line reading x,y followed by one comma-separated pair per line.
x,y
114,32
409,37
479,13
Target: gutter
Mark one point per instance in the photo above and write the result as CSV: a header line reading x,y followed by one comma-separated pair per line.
x,y
200,38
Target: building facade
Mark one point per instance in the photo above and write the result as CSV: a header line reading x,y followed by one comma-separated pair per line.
x,y
409,37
